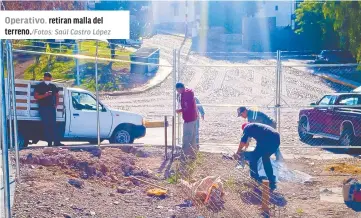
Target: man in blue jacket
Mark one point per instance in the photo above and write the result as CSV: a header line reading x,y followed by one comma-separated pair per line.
x,y
268,142
254,116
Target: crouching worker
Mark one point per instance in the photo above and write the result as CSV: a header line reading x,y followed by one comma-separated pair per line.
x,y
268,142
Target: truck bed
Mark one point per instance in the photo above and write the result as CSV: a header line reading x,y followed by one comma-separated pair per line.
x,y
27,107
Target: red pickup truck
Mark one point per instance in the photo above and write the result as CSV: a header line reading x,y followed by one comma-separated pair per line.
x,y
336,116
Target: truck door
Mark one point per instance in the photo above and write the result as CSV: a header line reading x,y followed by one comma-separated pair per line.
x,y
318,118
347,113
83,115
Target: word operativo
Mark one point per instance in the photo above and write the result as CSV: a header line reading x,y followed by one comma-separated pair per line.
x,y
30,20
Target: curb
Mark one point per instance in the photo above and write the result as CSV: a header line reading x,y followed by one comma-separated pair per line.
x,y
155,81
172,34
333,79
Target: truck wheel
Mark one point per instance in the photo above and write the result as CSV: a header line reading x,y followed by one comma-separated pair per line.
x,y
347,137
122,136
302,131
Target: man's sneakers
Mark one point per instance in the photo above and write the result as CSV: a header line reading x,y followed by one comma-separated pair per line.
x,y
58,144
272,186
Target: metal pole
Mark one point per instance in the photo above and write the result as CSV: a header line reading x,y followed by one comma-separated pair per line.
x,y
279,92
179,123
166,137
174,100
5,154
14,114
174,83
186,19
77,64
173,136
9,100
97,91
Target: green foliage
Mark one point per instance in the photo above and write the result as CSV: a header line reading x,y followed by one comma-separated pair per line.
x,y
64,68
331,25
58,66
316,29
347,22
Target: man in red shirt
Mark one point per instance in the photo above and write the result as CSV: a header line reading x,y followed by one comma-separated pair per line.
x,y
190,116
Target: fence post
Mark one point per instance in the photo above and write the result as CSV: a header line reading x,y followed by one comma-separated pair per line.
x,y
166,137
97,92
9,100
178,73
265,197
11,76
173,136
77,63
4,135
278,92
174,99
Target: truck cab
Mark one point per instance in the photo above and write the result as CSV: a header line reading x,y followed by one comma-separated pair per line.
x,y
76,117
335,116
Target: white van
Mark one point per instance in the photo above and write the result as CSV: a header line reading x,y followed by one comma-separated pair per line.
x,y
76,117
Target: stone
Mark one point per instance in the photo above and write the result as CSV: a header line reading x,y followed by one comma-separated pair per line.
x,y
113,177
104,169
129,184
49,150
76,183
96,152
126,148
66,215
141,153
116,202
91,171
92,213
84,175
62,151
32,166
122,190
45,161
160,207
111,194
99,174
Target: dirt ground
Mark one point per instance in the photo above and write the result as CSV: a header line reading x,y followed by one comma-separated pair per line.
x,y
95,183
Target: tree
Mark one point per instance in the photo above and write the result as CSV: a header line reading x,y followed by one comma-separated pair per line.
x,y
315,29
346,18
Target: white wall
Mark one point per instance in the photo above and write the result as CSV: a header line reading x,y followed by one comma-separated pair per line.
x,y
283,14
163,11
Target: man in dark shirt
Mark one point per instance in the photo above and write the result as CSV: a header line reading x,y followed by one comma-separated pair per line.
x,y
47,95
255,116
190,117
268,142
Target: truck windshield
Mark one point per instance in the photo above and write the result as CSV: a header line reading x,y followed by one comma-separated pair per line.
x,y
83,101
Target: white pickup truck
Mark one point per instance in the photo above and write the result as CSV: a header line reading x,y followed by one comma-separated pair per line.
x,y
76,117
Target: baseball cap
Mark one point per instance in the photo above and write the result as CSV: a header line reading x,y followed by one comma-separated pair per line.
x,y
240,110
244,125
47,74
179,86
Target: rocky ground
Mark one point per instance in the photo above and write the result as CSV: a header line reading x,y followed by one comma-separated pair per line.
x,y
95,183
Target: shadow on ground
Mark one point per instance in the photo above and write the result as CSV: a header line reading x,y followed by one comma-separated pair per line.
x,y
356,206
329,142
254,198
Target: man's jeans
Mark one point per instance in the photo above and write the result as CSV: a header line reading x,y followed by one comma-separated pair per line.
x,y
189,146
48,117
264,152
197,132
